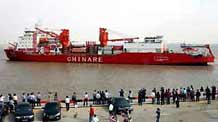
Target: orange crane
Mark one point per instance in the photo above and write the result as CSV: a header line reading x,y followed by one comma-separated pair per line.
x,y
103,37
63,37
52,34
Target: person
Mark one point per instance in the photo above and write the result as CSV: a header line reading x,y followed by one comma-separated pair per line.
x,y
56,96
202,93
154,90
158,115
198,94
202,89
168,96
188,92
98,98
140,97
143,95
74,98
91,113
184,93
103,98
67,102
121,93
38,99
95,118
158,98
208,95
192,95
2,98
94,97
162,98
32,99
28,98
107,96
174,96
24,98
11,105
177,101
153,97
130,96
86,99
111,108
56,50
213,92
15,98
49,96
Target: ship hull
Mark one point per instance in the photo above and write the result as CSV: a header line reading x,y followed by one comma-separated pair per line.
x,y
122,58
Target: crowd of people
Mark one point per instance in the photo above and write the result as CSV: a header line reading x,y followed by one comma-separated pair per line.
x,y
12,99
160,97
101,97
168,96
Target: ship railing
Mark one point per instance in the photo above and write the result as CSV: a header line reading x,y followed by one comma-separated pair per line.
x,y
35,52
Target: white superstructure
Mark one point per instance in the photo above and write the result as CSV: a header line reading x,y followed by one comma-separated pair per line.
x,y
150,44
31,38
25,41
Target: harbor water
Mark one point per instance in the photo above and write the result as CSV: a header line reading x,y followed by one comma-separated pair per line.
x,y
66,78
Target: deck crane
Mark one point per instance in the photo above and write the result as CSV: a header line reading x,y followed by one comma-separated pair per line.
x,y
52,34
63,36
103,37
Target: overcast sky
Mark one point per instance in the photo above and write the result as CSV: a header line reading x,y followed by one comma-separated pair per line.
x,y
191,21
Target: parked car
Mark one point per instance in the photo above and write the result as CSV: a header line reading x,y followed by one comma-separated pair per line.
x,y
23,112
120,104
3,110
52,111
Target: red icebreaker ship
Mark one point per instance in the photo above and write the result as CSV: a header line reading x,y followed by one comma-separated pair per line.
x,y
44,45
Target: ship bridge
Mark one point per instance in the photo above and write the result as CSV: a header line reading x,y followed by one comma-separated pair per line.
x,y
150,44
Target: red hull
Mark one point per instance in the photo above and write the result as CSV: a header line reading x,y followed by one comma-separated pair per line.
x,y
123,58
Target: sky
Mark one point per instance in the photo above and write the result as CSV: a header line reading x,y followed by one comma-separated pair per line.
x,y
190,21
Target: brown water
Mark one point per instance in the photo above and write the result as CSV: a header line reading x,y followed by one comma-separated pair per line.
x,y
18,77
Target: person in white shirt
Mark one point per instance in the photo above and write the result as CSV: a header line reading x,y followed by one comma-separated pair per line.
x,y
24,97
98,97
86,99
2,98
32,99
107,95
67,102
15,98
153,97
